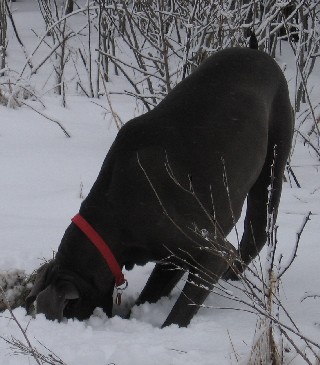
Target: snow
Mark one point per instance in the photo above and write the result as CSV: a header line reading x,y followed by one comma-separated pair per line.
x,y
43,175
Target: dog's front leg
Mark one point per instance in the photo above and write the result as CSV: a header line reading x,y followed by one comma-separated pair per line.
x,y
162,280
195,291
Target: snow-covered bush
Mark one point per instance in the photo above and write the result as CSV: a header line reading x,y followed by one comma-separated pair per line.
x,y
14,287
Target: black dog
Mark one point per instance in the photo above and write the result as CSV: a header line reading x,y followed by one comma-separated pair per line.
x,y
172,187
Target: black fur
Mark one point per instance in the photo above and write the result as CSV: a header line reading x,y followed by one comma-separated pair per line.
x,y
173,175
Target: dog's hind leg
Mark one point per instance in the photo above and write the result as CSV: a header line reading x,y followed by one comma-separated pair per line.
x,y
264,196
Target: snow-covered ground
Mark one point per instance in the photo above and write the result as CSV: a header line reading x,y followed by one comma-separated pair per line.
x,y
43,175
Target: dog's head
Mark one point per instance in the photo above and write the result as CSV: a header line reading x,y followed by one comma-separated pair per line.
x,y
61,293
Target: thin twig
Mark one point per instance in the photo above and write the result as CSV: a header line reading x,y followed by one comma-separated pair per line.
x,y
32,350
49,118
299,234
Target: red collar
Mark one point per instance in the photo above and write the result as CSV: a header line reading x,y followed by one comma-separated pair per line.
x,y
102,247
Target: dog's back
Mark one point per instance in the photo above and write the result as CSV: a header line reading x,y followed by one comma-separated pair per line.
x,y
213,123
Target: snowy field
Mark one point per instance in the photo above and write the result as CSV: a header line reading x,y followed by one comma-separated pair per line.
x,y
44,176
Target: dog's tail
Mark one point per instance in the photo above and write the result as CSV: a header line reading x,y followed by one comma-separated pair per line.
x,y
253,42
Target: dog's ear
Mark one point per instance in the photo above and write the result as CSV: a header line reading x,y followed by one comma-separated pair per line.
x,y
39,284
53,299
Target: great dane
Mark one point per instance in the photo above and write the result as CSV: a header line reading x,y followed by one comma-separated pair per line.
x,y
172,187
